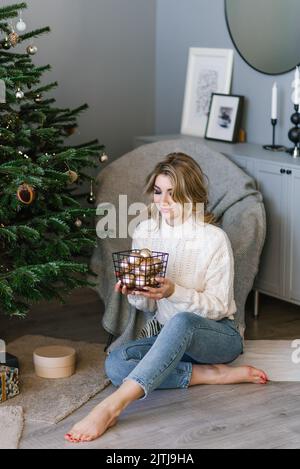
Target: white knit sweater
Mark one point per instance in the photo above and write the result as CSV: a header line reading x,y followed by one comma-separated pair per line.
x,y
200,264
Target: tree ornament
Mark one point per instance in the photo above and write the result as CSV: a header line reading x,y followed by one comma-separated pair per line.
x,y
91,198
72,175
13,38
26,194
129,280
31,49
6,44
70,130
21,25
103,158
78,223
19,94
38,98
145,253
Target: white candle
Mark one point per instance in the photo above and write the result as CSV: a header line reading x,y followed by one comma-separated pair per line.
x,y
274,101
297,84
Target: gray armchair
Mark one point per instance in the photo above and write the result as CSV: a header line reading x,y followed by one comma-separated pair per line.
x,y
233,198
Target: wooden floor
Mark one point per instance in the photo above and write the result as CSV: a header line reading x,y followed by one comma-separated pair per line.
x,y
239,416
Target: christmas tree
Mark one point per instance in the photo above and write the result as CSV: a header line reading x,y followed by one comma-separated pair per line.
x,y
46,231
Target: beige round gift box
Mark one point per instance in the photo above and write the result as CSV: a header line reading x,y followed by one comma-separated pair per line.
x,y
54,362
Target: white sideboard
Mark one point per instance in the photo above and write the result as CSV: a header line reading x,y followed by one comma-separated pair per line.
x,y
277,177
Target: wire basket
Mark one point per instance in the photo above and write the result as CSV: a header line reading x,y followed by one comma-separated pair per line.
x,y
138,268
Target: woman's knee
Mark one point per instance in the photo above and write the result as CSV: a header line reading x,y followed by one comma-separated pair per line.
x,y
183,321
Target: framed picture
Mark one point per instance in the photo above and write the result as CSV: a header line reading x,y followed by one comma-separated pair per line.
x,y
209,71
225,117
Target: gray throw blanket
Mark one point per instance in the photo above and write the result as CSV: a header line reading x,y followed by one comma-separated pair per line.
x,y
233,199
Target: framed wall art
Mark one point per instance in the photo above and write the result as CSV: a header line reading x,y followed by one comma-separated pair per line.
x,y
209,71
225,115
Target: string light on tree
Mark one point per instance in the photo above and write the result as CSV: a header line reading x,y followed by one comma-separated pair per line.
x,y
38,98
78,223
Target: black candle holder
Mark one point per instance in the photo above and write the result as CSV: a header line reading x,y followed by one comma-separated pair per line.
x,y
294,133
274,147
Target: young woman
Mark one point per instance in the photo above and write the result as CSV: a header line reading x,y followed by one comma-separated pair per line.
x,y
193,334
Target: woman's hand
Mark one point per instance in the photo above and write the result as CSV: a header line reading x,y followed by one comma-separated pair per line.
x,y
123,289
166,289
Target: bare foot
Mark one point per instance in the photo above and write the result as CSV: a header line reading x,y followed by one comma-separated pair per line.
x,y
105,415
94,425
224,374
241,374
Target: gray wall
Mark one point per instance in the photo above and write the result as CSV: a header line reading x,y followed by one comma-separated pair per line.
x,y
201,23
102,52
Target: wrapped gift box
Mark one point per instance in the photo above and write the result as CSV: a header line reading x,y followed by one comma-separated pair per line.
x,y
10,360
9,382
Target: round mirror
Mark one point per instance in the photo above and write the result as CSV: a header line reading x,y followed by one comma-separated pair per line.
x,y
266,33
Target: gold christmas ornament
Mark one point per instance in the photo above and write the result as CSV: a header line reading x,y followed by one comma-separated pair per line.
x,y
136,271
145,253
129,280
31,49
134,260
72,175
146,264
13,39
140,281
26,194
124,267
157,264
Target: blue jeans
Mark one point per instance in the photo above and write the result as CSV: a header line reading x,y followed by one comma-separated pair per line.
x,y
165,361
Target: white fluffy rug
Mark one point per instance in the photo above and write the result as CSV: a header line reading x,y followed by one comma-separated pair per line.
x,y
50,401
280,359
11,427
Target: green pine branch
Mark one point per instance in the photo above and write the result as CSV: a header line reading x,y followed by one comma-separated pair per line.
x,y
35,33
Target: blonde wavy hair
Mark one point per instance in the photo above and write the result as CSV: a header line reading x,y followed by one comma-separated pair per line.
x,y
188,183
